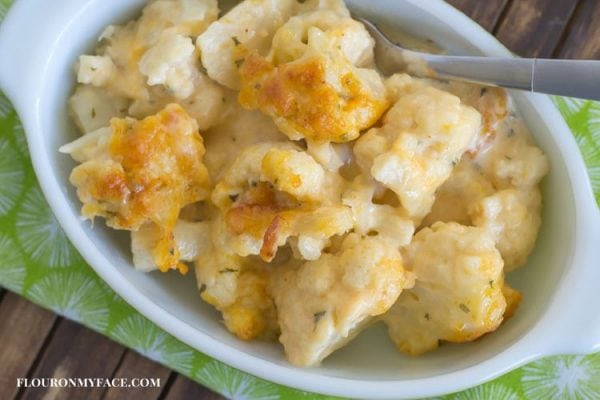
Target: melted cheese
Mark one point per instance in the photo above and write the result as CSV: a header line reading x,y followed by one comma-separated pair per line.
x,y
423,136
323,304
151,169
321,96
458,295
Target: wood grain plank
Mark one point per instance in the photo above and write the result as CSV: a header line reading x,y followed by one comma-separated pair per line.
x,y
75,352
533,28
23,328
583,38
486,13
133,366
185,389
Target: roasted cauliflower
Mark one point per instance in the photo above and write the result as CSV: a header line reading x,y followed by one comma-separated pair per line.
x,y
459,291
423,137
512,218
143,172
239,288
270,195
249,26
319,95
323,304
455,198
148,64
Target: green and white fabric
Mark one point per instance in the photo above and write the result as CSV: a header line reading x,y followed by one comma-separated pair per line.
x,y
39,263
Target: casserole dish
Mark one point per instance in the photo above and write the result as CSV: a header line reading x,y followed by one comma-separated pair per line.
x,y
558,283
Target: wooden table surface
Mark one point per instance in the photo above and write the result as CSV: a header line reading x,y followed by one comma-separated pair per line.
x,y
36,343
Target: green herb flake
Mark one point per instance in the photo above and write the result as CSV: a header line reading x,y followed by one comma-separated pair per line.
x,y
93,113
318,316
483,92
427,317
492,284
233,197
228,271
236,41
239,63
464,308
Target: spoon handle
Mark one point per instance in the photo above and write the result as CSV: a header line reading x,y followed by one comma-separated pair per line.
x,y
574,78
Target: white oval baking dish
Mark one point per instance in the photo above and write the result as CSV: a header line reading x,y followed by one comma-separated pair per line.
x,y
39,42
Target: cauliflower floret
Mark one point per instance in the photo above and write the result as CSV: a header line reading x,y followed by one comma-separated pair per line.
x,y
171,62
94,70
92,108
239,289
268,196
459,291
313,229
183,17
239,130
398,85
512,218
148,63
332,156
245,172
423,136
149,171
283,166
93,145
260,228
319,97
323,304
191,239
453,200
293,172
205,104
350,36
248,26
160,19
387,222
126,81
517,163
492,103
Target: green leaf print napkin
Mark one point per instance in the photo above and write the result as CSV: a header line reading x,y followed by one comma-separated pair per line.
x,y
39,263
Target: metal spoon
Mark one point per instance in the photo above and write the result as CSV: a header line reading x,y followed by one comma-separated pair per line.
x,y
574,78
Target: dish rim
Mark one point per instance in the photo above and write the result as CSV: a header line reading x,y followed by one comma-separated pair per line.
x,y
301,378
